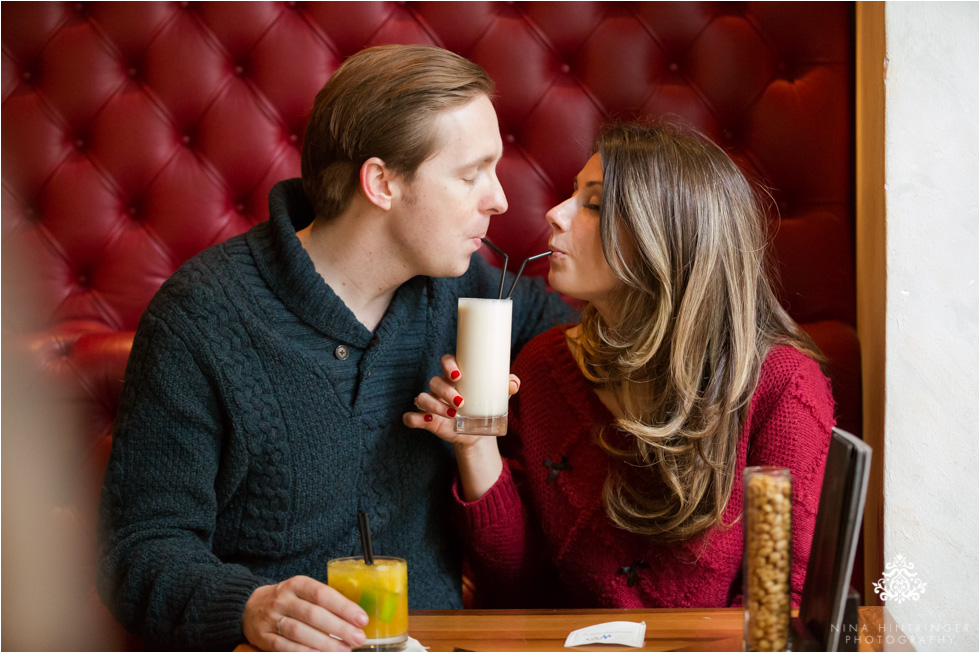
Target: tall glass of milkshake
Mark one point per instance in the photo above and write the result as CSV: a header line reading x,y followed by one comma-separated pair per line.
x,y
483,357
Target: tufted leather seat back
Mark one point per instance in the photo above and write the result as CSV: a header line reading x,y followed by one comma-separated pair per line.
x,y
137,134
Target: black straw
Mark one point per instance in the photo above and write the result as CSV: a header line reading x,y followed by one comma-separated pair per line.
x,y
526,261
503,270
362,525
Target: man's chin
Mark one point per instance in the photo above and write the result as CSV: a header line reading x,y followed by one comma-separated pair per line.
x,y
452,271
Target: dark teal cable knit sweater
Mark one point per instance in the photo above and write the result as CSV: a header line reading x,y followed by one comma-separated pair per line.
x,y
258,416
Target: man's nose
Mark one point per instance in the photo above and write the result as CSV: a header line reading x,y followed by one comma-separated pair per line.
x,y
497,201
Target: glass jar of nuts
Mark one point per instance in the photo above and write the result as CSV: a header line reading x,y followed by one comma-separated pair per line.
x,y
767,524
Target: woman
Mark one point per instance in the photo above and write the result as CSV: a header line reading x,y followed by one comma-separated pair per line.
x,y
631,430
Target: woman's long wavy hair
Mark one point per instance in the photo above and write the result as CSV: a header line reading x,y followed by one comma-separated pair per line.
x,y
684,231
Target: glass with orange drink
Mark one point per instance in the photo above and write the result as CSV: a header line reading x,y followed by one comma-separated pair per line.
x,y
381,589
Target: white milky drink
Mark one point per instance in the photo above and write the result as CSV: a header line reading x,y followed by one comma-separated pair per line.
x,y
483,357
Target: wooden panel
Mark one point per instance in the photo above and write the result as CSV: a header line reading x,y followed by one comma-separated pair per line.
x,y
870,242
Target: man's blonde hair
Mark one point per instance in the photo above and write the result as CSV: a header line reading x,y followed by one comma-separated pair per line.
x,y
382,102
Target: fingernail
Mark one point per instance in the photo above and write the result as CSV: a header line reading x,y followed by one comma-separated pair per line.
x,y
451,412
454,375
428,417
457,400
361,620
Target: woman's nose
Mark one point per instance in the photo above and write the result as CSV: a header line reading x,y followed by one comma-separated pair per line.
x,y
559,217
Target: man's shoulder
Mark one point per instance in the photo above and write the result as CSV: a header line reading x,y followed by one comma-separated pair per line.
x,y
204,278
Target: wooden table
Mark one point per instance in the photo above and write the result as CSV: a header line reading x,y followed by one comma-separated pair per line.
x,y
545,630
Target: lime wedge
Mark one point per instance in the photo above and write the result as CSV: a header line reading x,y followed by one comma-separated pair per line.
x,y
380,603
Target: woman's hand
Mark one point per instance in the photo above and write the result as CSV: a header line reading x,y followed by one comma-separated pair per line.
x,y
477,456
302,614
439,406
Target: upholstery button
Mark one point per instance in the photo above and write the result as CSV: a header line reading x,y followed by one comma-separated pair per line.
x,y
186,139
80,143
341,352
565,68
673,67
132,211
26,76
293,138
132,72
510,138
240,207
239,70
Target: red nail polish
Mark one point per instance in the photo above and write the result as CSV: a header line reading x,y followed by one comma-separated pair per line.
x,y
457,400
451,412
427,418
454,375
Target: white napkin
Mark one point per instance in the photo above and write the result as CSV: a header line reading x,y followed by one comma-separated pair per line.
x,y
627,633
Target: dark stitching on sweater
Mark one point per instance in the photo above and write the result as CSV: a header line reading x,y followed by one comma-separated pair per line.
x,y
561,466
633,571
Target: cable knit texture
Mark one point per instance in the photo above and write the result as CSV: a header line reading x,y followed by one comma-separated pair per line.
x,y
540,536
246,441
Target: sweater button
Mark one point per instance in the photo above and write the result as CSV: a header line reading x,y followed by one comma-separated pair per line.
x,y
341,352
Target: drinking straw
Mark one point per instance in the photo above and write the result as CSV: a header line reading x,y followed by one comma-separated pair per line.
x,y
362,526
518,276
503,270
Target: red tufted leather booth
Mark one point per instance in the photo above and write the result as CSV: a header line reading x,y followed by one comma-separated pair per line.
x,y
134,135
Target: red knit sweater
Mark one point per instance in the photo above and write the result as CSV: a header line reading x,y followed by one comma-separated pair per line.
x,y
540,537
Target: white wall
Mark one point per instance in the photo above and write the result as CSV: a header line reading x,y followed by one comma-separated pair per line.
x,y
931,416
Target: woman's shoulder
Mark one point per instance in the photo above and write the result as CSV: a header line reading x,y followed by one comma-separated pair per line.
x,y
783,363
788,373
545,347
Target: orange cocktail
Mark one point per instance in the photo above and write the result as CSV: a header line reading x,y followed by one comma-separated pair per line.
x,y
381,590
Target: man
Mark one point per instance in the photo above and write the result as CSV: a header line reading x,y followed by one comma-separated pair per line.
x,y
265,390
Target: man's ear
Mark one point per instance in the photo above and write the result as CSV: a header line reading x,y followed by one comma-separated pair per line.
x,y
376,182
